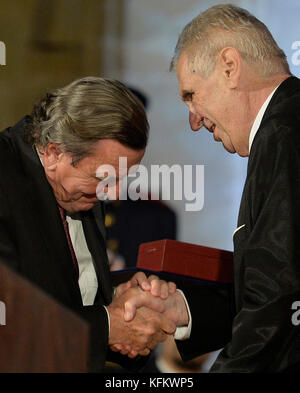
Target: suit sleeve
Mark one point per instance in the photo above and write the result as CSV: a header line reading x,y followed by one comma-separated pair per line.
x,y
8,249
264,338
211,310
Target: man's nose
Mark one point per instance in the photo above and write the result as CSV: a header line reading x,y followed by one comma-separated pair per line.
x,y
196,121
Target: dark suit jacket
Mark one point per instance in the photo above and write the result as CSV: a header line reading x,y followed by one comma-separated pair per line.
x,y
266,256
33,242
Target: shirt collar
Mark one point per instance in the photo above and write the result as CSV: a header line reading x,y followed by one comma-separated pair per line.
x,y
39,154
259,117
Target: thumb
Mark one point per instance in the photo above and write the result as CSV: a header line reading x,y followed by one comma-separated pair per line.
x,y
142,300
167,325
122,288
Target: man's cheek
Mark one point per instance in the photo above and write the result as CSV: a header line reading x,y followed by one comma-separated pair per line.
x,y
107,190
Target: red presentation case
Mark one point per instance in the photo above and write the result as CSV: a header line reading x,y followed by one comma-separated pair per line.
x,y
189,260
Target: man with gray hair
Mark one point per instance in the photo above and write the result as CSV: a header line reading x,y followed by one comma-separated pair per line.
x,y
51,221
236,83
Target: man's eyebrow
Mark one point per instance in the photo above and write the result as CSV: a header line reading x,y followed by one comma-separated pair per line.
x,y
186,95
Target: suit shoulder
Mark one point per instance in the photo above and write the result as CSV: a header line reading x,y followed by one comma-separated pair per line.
x,y
9,151
285,103
275,148
282,128
11,134
6,145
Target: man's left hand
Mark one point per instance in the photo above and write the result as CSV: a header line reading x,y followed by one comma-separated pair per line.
x,y
152,284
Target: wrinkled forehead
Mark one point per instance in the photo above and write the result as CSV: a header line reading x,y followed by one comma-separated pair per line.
x,y
184,68
109,151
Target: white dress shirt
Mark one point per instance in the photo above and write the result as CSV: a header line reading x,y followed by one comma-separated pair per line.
x,y
87,281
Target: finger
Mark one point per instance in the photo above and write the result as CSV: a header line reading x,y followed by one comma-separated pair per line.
x,y
155,328
116,347
167,325
143,299
144,352
140,279
156,285
156,339
164,290
125,351
122,288
160,287
132,354
171,287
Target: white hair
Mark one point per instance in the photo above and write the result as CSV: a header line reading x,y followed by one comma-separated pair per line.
x,y
224,26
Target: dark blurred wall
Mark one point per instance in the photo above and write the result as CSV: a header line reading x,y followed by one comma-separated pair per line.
x,y
49,43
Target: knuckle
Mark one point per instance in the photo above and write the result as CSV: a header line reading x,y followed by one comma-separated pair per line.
x,y
140,276
145,341
150,330
120,288
163,338
145,352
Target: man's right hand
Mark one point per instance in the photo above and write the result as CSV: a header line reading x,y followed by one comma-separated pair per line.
x,y
145,331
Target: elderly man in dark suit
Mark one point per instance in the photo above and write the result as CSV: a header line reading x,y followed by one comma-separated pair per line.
x,y
236,83
51,221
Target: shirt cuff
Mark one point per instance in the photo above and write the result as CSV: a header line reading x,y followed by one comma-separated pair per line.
x,y
184,332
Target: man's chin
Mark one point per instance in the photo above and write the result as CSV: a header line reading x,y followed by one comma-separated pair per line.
x,y
75,207
83,206
230,149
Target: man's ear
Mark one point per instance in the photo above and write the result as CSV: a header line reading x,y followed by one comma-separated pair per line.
x,y
230,65
51,156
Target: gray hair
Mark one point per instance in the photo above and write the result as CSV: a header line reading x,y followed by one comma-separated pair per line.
x,y
86,111
224,26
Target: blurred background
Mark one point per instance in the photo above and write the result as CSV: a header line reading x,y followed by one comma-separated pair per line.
x,y
49,43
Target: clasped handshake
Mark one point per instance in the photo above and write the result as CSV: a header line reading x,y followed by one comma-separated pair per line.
x,y
142,313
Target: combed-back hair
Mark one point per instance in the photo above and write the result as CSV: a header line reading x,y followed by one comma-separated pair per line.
x,y
86,111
